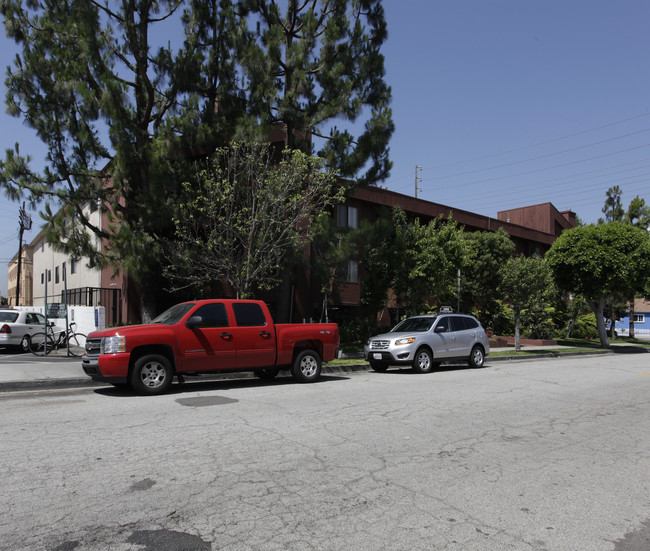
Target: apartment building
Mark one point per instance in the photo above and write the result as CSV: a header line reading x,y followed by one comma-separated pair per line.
x,y
56,277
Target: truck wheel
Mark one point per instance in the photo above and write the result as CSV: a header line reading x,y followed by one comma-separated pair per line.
x,y
267,373
152,374
379,367
306,367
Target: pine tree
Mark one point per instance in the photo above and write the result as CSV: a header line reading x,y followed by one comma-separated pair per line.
x,y
123,117
118,116
316,62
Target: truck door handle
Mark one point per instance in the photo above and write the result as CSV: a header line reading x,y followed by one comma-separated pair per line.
x,y
265,334
226,336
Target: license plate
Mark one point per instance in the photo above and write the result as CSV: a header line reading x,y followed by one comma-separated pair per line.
x,y
376,356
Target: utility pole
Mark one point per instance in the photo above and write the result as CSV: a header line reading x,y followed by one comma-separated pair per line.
x,y
417,179
25,224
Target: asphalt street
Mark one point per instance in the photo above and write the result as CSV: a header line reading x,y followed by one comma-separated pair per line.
x,y
548,455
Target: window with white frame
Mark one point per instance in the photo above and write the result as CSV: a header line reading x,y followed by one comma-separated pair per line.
x,y
352,275
347,217
639,318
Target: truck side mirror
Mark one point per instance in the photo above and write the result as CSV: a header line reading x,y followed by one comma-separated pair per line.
x,y
193,322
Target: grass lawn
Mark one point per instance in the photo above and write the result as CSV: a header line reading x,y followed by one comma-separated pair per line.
x,y
572,346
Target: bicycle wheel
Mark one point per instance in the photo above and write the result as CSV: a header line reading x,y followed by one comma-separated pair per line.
x,y
37,344
77,345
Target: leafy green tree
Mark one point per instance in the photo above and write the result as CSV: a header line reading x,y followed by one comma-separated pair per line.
x,y
600,261
241,215
485,255
637,214
613,208
313,63
378,254
427,268
527,284
332,250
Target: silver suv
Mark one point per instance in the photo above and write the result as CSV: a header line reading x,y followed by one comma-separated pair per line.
x,y
425,341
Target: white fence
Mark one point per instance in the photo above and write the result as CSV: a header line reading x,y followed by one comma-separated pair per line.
x,y
87,318
640,332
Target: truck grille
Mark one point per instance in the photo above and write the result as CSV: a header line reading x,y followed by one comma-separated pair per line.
x,y
93,346
379,345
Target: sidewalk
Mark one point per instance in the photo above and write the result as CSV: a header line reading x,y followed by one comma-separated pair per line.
x,y
19,371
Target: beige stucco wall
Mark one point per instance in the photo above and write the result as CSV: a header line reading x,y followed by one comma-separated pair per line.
x,y
47,261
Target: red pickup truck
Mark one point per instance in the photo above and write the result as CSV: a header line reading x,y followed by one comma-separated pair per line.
x,y
208,336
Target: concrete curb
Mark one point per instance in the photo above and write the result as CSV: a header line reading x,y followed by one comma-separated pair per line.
x,y
83,382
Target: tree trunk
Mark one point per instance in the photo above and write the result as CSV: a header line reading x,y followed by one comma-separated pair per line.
x,y
632,334
148,299
599,311
517,330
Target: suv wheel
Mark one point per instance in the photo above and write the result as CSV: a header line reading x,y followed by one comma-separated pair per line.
x,y
379,367
477,357
422,362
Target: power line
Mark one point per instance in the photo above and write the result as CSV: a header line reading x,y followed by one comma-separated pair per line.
x,y
553,140
561,165
513,163
524,148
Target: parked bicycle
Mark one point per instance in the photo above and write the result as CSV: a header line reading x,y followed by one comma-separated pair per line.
x,y
74,343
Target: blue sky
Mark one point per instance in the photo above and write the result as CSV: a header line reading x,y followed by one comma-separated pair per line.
x,y
503,103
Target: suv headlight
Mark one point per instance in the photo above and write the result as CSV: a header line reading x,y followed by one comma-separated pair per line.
x,y
405,340
112,345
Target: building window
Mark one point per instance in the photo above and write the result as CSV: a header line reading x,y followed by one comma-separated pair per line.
x,y
347,217
42,279
56,274
49,275
42,245
352,272
63,271
639,318
73,266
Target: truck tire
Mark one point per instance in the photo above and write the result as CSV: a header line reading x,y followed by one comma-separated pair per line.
x,y
306,367
152,374
267,373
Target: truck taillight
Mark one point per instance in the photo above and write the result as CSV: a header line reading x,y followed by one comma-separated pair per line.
x,y
5,330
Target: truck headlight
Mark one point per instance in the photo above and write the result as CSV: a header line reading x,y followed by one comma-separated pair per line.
x,y
112,345
405,340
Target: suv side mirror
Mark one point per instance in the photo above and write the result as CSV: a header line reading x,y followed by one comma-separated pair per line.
x,y
440,329
194,322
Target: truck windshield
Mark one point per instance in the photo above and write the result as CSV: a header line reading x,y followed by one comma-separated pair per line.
x,y
174,314
414,324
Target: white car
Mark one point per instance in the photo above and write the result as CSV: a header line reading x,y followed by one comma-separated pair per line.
x,y
17,327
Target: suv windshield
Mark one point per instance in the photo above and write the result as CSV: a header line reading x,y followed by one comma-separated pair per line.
x,y
174,314
419,325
